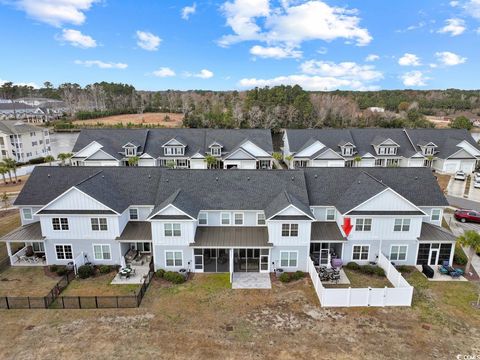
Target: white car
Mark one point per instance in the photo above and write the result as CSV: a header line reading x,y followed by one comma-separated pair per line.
x,y
460,175
476,176
476,183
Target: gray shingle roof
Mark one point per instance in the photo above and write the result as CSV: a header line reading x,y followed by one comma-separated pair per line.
x,y
151,140
195,190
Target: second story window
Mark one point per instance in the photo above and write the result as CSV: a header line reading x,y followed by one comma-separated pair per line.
x,y
225,218
174,150
290,230
238,218
172,230
402,225
99,224
203,218
60,224
436,213
260,219
130,151
27,214
133,212
363,224
216,151
347,151
330,214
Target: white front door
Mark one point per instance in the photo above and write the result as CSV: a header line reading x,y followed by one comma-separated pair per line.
x,y
198,262
433,257
264,261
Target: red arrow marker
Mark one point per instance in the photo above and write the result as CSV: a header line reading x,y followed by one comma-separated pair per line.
x,y
347,226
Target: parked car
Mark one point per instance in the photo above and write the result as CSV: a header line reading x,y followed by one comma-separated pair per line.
x,y
476,183
460,175
476,176
463,215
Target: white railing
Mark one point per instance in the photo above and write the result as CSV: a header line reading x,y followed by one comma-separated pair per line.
x,y
16,257
400,295
78,261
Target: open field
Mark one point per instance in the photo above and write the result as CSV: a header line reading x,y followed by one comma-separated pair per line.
x,y
11,187
26,281
157,119
99,285
205,319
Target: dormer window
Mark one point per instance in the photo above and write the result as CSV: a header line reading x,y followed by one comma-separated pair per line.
x,y
216,151
387,150
347,150
174,150
429,150
130,151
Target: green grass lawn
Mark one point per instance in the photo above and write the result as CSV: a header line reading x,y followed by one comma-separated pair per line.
x,y
99,285
361,280
9,220
26,281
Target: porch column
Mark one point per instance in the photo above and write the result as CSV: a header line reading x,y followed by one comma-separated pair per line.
x,y
452,252
231,264
9,249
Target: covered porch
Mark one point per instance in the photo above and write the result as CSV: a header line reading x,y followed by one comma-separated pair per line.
x,y
231,249
436,245
326,242
26,246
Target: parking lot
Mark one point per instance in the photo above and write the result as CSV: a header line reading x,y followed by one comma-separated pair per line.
x,y
457,227
457,188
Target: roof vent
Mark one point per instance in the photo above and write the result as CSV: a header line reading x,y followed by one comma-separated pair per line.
x,y
48,175
316,176
248,178
149,176
166,180
103,176
216,179
416,177
293,178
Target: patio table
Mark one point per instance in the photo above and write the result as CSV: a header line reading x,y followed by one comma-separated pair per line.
x,y
125,272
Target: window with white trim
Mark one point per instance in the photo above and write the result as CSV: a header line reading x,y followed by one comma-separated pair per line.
x,y
225,218
398,252
133,212
174,150
64,252
261,219
363,224
216,151
330,214
60,224
288,258
173,258
99,224
203,218
436,214
238,218
290,230
360,252
172,230
102,252
38,247
130,151
401,225
27,214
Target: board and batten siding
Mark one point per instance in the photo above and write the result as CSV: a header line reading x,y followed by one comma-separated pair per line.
x,y
79,227
187,229
275,233
74,199
249,217
382,228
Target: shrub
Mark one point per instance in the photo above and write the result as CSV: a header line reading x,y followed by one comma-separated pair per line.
x,y
160,273
104,269
53,268
459,256
297,275
61,271
39,160
367,269
285,278
404,269
85,271
379,271
352,266
174,277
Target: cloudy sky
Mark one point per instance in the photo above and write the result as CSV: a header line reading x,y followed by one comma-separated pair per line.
x,y
239,44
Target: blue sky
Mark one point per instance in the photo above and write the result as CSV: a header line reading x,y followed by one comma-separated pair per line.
x,y
239,44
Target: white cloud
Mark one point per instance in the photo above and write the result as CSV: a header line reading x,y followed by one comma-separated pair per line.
x,y
472,7
56,12
148,41
414,78
275,52
164,72
448,58
203,74
372,57
454,27
346,70
323,76
188,10
101,64
77,39
292,23
454,3
409,60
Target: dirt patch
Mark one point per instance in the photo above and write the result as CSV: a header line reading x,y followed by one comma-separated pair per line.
x,y
443,181
170,120
26,281
12,186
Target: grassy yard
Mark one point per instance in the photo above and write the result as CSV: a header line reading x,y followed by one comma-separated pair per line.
x,y
361,280
9,220
99,285
205,319
26,281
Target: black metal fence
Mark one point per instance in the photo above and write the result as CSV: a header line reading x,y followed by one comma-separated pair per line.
x,y
54,301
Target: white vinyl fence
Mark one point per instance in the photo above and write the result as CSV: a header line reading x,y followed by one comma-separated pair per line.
x,y
400,295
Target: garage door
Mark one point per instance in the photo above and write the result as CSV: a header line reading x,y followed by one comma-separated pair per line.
x,y
336,163
450,168
467,166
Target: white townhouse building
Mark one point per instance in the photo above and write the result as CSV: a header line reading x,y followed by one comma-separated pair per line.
x,y
15,110
23,142
176,148
445,150
231,221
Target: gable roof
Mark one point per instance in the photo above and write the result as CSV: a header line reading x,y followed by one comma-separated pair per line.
x,y
151,141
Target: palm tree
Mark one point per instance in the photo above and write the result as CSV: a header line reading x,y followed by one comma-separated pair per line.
x,y
357,159
64,156
470,239
211,161
170,164
49,159
11,166
289,159
5,200
3,171
133,161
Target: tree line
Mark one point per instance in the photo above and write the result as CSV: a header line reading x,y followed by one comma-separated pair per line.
x,y
270,107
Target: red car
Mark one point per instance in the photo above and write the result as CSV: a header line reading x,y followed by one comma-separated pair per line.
x,y
467,215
